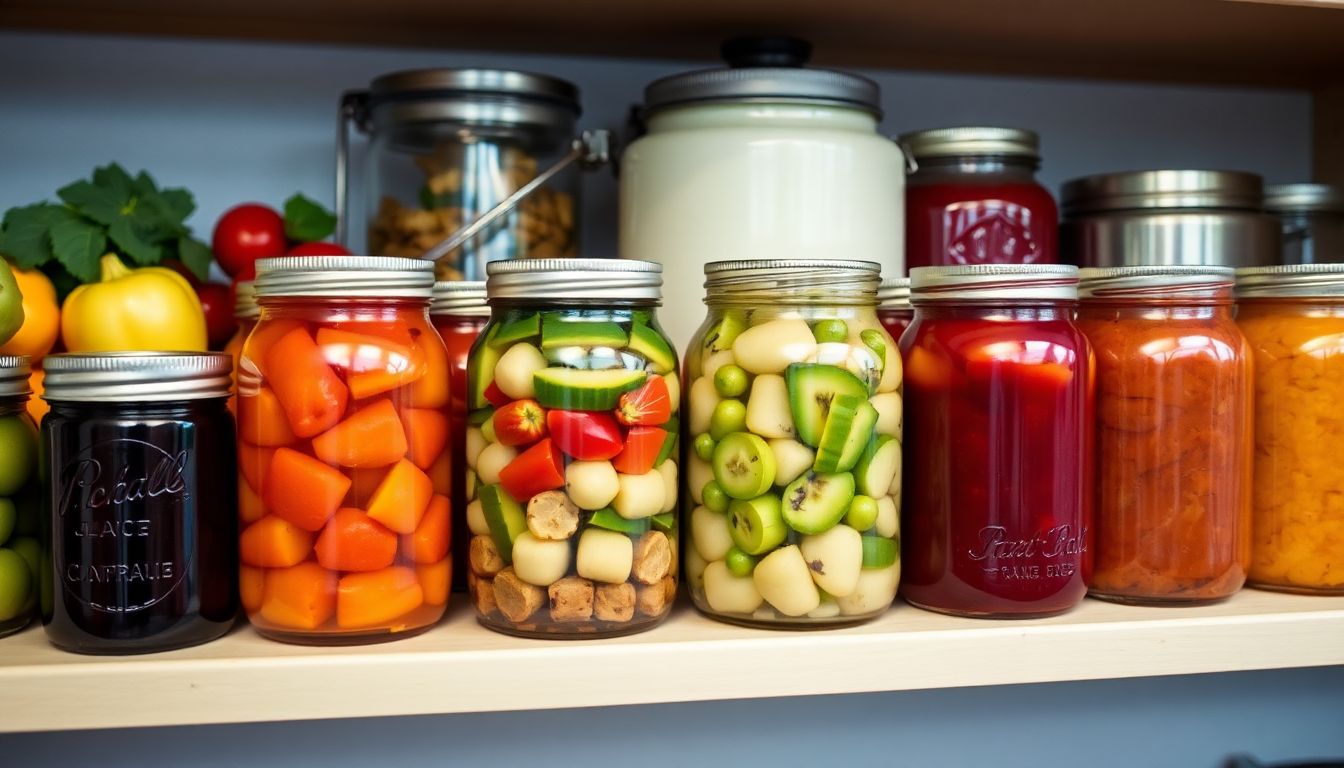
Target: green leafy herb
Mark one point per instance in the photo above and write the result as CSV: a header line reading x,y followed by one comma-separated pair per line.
x,y
112,212
306,221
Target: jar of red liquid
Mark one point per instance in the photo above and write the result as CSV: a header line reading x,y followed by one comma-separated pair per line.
x,y
458,312
996,512
893,305
342,443
972,198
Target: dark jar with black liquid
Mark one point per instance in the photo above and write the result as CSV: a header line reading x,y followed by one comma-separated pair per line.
x,y
141,496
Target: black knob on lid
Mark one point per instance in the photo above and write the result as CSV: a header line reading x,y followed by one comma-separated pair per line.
x,y
766,51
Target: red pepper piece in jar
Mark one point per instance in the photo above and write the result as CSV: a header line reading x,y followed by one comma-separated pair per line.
x,y
535,470
650,405
521,422
585,435
642,446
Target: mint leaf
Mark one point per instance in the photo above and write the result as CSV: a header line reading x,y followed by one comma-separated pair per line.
x,y
306,221
195,255
114,178
97,203
134,242
77,244
177,204
143,184
24,238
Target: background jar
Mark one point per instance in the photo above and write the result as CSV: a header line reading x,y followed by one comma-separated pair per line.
x,y
343,452
1293,317
20,500
893,305
448,145
459,313
139,533
1312,217
972,198
246,312
794,393
572,480
997,515
1172,517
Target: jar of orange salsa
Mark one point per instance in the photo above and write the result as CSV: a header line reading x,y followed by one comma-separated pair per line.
x,y
342,441
458,313
1293,317
1172,434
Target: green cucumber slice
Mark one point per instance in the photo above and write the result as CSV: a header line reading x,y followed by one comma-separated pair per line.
x,y
725,331
506,518
582,390
609,519
665,522
523,328
649,344
481,372
669,441
744,465
812,389
847,434
873,340
815,502
879,552
756,525
481,415
559,331
878,465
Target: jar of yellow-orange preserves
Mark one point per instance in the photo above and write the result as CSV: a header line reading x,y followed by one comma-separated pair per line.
x,y
1293,317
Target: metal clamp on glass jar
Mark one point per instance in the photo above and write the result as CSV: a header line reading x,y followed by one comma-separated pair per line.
x,y
465,166
20,500
573,467
142,537
1138,218
795,413
997,518
972,198
1293,317
1313,221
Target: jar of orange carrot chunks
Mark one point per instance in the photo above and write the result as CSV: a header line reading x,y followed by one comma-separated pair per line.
x,y
342,428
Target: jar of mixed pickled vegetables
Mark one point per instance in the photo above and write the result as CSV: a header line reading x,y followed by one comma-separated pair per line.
x,y
343,452
893,305
458,312
572,451
1293,317
20,499
793,472
1173,434
997,518
246,312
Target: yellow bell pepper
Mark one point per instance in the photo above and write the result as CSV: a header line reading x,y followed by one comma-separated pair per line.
x,y
146,309
41,316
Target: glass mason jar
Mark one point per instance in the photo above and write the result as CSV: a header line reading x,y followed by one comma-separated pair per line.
x,y
140,495
997,517
794,392
342,444
893,305
459,313
447,146
1293,317
20,499
972,198
1172,515
1312,219
572,455
246,312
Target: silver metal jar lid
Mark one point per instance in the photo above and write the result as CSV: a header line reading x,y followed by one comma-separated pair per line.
x,y
473,96
970,140
1293,280
459,297
775,85
1136,282
1011,282
894,293
14,373
810,281
559,279
1304,198
344,277
1147,190
245,300
114,377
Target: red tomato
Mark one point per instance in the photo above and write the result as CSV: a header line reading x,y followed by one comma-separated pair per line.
x,y
585,435
650,404
642,447
318,249
217,301
521,422
495,396
535,470
246,233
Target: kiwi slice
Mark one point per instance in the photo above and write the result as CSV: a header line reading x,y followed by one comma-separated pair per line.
x,y
812,388
744,465
757,525
815,502
847,434
879,552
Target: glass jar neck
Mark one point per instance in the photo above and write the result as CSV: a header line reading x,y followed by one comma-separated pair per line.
x,y
804,288
1025,311
13,404
84,409
1012,166
761,116
505,305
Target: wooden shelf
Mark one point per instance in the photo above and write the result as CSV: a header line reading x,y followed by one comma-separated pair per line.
x,y
461,667
1259,42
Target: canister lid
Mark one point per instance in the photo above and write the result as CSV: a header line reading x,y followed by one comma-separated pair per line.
x,y
765,70
1147,190
970,140
894,293
809,281
14,372
1304,198
1011,282
1133,282
1291,280
459,297
136,376
245,300
569,279
473,96
344,277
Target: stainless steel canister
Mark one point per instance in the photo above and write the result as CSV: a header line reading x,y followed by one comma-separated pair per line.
x,y
1167,217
